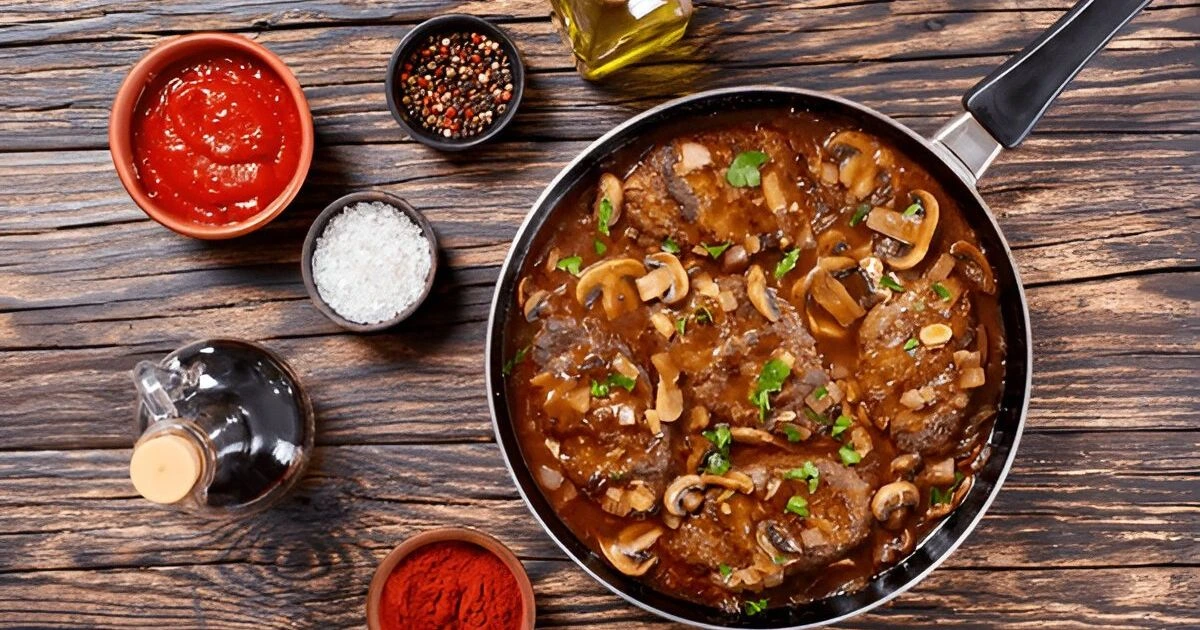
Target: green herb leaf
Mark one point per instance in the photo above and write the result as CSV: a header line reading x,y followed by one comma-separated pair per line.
x,y
725,570
942,291
840,425
770,380
860,213
570,264
938,496
797,505
716,250
891,283
849,456
703,315
606,210
670,246
793,434
754,607
599,390
787,264
743,171
720,436
820,393
815,417
717,464
911,344
807,472
617,475
911,210
599,246
779,559
681,325
512,363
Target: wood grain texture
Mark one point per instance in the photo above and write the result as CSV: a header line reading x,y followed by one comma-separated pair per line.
x,y
1098,525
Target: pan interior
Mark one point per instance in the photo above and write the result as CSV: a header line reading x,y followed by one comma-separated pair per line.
x,y
1002,441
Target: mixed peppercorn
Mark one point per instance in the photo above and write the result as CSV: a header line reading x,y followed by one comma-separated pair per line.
x,y
456,85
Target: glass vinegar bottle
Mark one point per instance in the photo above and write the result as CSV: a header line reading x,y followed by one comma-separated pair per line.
x,y
225,429
607,35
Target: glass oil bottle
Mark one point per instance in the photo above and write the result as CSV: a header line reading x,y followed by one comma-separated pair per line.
x,y
607,35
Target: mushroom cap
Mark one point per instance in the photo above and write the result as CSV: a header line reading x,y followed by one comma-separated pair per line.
x,y
891,499
608,279
760,296
671,279
924,236
611,188
629,552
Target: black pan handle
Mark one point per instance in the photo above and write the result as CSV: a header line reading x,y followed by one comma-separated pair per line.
x,y
1011,100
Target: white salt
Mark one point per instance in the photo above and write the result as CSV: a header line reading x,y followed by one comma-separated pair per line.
x,y
371,262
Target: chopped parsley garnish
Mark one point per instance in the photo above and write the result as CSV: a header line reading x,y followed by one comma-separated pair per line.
x,y
725,570
512,363
703,315
670,246
820,393
938,496
616,475
606,210
787,264
793,434
681,325
797,505
942,291
840,425
753,607
717,462
716,250
570,264
600,247
815,417
601,389
779,559
849,456
911,344
860,213
807,472
891,283
913,209
770,380
743,171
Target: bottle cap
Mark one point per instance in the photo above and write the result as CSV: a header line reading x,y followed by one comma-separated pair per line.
x,y
164,469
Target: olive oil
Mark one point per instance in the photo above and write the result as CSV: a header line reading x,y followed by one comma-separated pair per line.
x,y
607,35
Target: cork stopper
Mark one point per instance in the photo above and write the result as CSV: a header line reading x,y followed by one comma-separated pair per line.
x,y
164,469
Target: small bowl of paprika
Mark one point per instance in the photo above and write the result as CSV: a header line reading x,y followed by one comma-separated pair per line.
x,y
451,577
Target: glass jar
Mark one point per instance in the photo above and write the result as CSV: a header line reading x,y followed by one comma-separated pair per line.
x,y
226,429
607,35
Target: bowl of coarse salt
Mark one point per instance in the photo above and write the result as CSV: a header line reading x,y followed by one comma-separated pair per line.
x,y
369,261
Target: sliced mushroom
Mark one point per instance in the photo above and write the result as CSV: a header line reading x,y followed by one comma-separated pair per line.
x,y
668,400
941,268
761,297
941,509
893,550
980,272
536,304
929,224
894,225
685,494
734,480
834,297
857,170
905,464
609,281
610,188
774,540
667,279
629,551
692,155
735,259
750,435
892,502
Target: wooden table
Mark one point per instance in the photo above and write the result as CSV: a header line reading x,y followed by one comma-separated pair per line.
x,y
1098,525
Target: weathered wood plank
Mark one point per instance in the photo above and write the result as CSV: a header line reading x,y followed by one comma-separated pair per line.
x,y
1072,500
1104,354
58,95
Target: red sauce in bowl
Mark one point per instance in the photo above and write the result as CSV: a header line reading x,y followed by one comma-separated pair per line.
x,y
216,138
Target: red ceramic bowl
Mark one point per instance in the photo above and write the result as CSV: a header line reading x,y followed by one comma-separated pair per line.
x,y
120,136
456,534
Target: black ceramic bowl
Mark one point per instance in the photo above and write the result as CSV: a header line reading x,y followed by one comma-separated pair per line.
x,y
443,25
318,229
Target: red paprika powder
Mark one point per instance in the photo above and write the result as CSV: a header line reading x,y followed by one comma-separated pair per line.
x,y
451,586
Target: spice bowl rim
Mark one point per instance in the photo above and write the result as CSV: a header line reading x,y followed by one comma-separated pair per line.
x,y
317,229
451,534
120,124
446,24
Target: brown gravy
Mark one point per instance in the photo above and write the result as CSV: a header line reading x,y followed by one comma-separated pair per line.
x,y
726,441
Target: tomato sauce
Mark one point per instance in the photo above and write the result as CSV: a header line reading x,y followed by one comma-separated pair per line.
x,y
216,138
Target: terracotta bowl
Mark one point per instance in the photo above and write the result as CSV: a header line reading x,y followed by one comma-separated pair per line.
x,y
120,136
318,228
460,534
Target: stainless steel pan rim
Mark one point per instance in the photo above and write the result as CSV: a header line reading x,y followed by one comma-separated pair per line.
x,y
546,204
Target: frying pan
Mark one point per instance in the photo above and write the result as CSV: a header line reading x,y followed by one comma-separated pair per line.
x,y
1000,111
